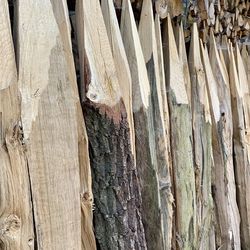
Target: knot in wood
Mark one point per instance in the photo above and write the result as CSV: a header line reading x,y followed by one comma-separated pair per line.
x,y
10,226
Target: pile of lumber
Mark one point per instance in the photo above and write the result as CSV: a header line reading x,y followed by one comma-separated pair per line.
x,y
124,125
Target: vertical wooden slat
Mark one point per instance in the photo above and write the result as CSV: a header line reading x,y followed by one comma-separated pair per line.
x,y
181,143
169,230
121,62
243,175
88,241
202,143
16,222
147,35
49,119
241,158
227,231
144,129
117,197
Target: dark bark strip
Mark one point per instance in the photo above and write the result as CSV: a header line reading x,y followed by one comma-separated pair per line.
x,y
117,199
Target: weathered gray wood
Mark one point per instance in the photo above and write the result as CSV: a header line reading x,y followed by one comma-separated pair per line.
x,y
215,115
50,124
202,143
144,129
147,35
227,230
181,143
241,108
117,215
16,222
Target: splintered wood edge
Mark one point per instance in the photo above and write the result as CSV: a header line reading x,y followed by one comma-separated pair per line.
x,y
244,85
135,57
183,57
196,62
214,56
211,84
176,72
147,36
121,62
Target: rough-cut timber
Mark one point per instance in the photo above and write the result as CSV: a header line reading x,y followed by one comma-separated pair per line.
x,y
242,96
215,116
121,62
50,124
224,191
241,161
88,240
181,143
16,222
117,215
183,59
144,130
202,143
148,37
166,122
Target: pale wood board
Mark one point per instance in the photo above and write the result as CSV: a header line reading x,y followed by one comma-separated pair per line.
x,y
49,118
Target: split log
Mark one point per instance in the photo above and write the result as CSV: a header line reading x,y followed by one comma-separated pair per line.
x,y
117,215
181,143
171,229
215,115
241,156
244,202
227,230
88,240
16,219
146,161
147,35
50,124
202,143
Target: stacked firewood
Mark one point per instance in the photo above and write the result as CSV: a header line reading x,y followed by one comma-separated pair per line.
x,y
124,125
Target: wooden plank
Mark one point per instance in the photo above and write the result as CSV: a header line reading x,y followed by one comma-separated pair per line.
x,y
227,231
121,62
181,143
241,156
117,214
215,115
202,143
146,160
147,36
16,222
50,124
88,240
170,230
